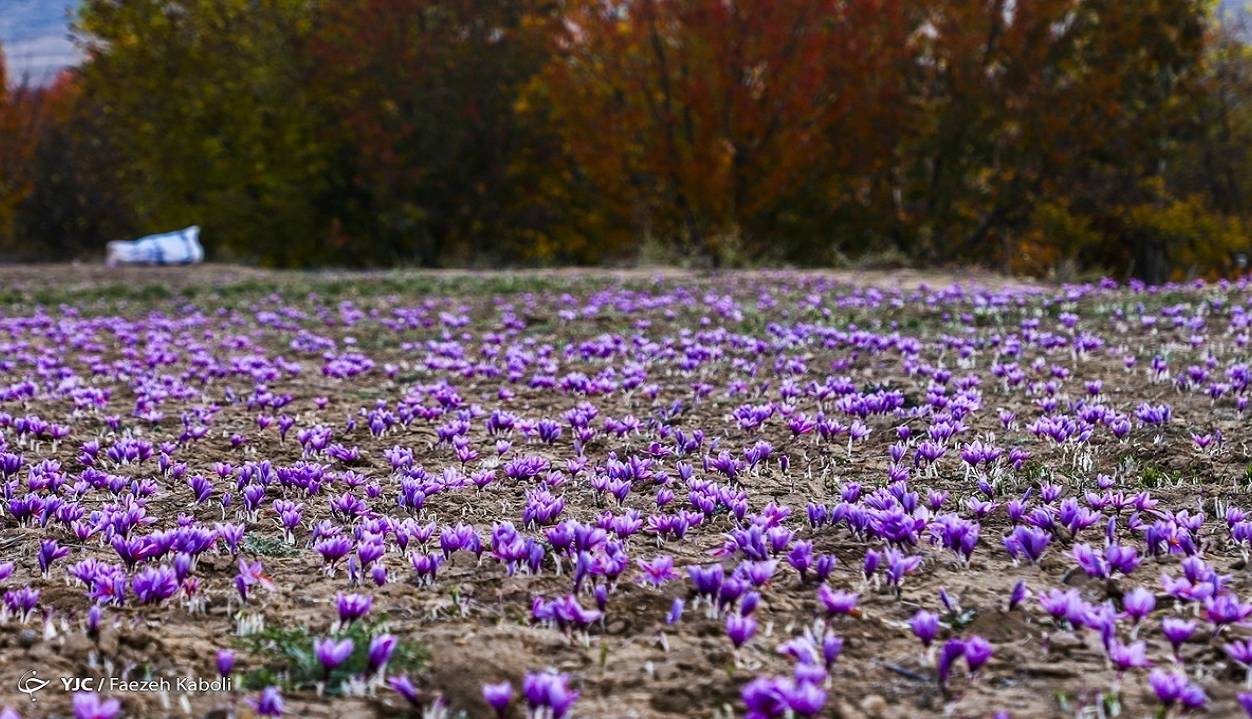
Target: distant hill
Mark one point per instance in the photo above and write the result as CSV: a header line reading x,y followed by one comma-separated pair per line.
x,y
35,35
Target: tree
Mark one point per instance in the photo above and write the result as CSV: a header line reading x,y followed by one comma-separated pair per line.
x,y
1081,101
424,96
20,109
205,100
694,117
77,201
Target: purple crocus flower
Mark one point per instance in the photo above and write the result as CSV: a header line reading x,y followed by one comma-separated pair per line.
x,y
403,686
832,647
801,558
498,697
1245,701
952,650
22,601
378,573
333,549
93,620
837,602
225,662
49,551
740,628
426,566
88,705
925,626
564,612
1226,609
352,607
764,698
706,580
658,571
900,564
1064,605
269,703
154,585
675,611
804,698
978,652
1027,542
1138,603
749,602
551,690
1128,656
331,653
824,565
1174,688
1018,594
1241,652
1177,631
380,651
251,574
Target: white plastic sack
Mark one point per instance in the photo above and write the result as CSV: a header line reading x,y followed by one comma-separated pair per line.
x,y
171,248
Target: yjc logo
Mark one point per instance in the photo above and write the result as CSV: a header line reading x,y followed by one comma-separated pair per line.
x,y
31,683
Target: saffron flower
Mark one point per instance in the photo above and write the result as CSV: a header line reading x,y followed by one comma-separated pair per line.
x,y
657,571
269,703
1176,689
498,697
1128,656
978,652
225,662
1138,603
952,650
331,653
740,628
549,692
837,602
675,611
403,686
89,705
352,607
379,653
50,551
154,585
925,626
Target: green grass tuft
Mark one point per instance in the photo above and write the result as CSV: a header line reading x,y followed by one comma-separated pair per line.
x,y
288,660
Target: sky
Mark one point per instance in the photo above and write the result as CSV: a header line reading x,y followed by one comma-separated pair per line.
x,y
35,36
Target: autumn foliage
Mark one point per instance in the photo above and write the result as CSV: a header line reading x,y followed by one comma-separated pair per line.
x,y
1049,137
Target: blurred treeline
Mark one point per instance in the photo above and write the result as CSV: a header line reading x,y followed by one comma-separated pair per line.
x,y
1045,136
